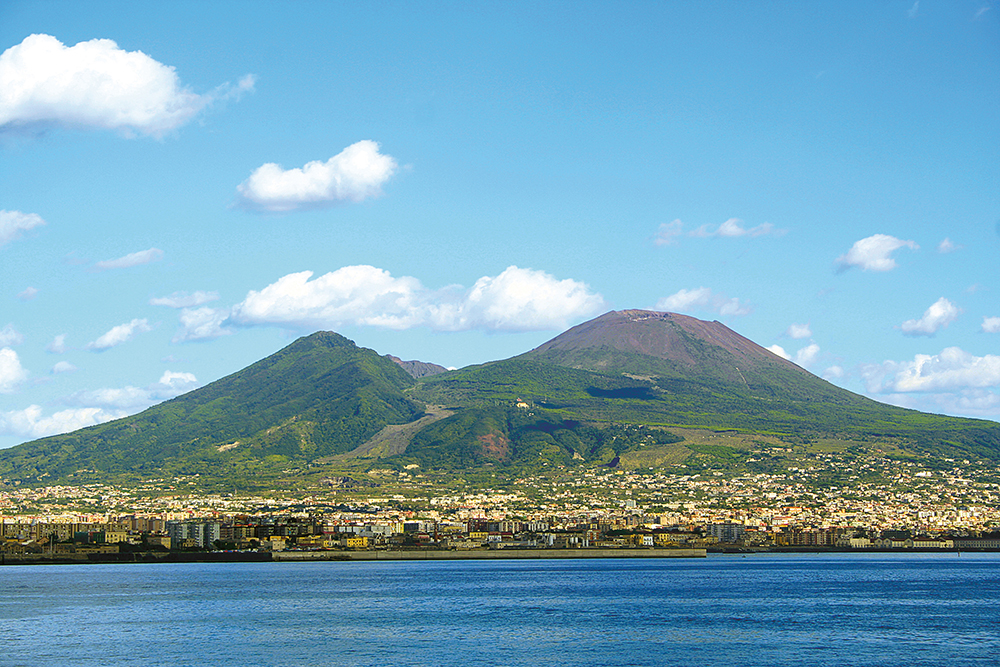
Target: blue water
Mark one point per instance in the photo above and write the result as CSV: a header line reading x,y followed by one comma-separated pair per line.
x,y
842,609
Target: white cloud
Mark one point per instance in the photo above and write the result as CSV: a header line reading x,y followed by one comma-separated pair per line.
x,y
353,175
30,423
131,399
202,324
11,372
63,367
12,223
120,334
780,351
668,232
991,324
807,356
733,227
516,300
10,336
96,84
798,331
912,11
184,299
947,246
874,253
952,369
834,373
58,344
132,259
940,314
702,298
28,294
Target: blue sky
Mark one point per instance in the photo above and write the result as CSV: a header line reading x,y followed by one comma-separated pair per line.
x,y
185,188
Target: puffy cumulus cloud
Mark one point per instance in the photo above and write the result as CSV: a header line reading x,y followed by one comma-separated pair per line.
x,y
874,253
798,331
131,399
184,299
119,334
96,84
733,227
10,336
780,351
58,345
31,423
63,367
668,232
28,294
807,356
702,298
940,314
947,246
834,373
991,324
952,369
353,175
11,372
516,300
522,300
14,223
131,259
202,324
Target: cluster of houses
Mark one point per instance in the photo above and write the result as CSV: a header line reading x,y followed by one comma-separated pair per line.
x,y
283,533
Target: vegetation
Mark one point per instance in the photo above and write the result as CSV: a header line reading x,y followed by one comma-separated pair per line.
x,y
310,409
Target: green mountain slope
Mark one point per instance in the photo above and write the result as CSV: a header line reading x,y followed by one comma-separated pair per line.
x,y
629,386
641,367
319,396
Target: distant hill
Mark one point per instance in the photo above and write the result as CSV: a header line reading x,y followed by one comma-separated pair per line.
x,y
418,369
625,382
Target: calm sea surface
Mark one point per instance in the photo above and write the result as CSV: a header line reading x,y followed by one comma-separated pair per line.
x,y
843,609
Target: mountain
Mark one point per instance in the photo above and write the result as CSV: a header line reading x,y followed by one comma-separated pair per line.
x,y
668,370
631,387
319,396
418,369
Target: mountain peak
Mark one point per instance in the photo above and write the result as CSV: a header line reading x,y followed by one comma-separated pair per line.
x,y
682,339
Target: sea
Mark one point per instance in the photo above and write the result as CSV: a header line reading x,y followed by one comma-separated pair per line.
x,y
759,609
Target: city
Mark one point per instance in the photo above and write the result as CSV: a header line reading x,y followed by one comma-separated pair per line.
x,y
871,503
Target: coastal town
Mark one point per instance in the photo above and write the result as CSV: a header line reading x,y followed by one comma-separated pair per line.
x,y
908,505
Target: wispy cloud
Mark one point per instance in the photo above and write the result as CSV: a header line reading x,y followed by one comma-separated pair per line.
x,y
874,253
991,324
914,10
353,175
940,314
184,299
14,223
96,84
119,334
702,299
733,227
58,344
27,294
130,399
668,232
946,246
798,331
10,336
132,259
